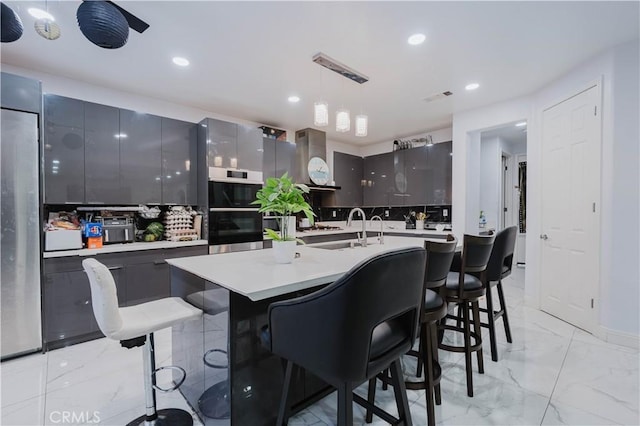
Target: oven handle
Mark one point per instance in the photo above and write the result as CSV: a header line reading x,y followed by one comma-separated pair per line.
x,y
239,209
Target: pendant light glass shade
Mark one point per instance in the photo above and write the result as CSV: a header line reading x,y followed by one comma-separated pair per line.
x,y
343,120
362,125
321,114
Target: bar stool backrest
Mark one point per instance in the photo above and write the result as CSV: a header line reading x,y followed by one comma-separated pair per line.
x,y
501,258
104,297
475,256
439,257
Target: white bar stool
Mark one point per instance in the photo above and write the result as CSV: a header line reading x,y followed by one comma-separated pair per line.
x,y
134,326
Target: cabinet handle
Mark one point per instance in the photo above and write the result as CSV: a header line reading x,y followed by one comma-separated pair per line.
x,y
73,202
113,268
159,262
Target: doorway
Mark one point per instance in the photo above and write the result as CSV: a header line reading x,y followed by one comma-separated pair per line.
x,y
570,264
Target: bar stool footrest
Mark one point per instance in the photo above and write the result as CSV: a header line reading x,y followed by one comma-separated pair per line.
x,y
473,348
177,385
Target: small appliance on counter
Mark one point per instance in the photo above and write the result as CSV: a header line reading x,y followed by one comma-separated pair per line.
x,y
62,232
117,229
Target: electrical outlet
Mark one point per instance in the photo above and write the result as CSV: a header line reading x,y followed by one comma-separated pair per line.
x,y
333,213
386,213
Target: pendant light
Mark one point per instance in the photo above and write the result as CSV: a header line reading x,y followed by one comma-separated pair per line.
x,y
321,114
45,25
343,120
362,125
103,24
11,24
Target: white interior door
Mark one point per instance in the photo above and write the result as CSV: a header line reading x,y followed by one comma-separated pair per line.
x,y
570,208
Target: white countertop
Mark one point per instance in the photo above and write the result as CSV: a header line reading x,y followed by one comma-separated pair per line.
x,y
119,248
356,226
255,275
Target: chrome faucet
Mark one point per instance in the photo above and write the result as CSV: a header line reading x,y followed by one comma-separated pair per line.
x,y
363,241
381,236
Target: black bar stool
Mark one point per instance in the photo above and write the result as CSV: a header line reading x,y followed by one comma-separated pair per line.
x,y
351,330
464,290
439,258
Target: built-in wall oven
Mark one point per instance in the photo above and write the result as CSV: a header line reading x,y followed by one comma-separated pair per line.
x,y
234,223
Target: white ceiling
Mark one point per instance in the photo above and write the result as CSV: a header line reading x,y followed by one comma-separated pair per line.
x,y
248,57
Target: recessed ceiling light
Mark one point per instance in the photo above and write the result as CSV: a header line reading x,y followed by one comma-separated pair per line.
x,y
416,39
472,86
40,14
181,61
521,124
294,99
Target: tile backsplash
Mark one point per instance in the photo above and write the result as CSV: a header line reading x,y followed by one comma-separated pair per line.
x,y
435,214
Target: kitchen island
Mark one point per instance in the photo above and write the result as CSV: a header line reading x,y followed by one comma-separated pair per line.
x,y
229,374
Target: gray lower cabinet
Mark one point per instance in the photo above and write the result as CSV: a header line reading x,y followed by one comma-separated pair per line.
x,y
348,174
140,277
179,174
148,281
102,154
140,158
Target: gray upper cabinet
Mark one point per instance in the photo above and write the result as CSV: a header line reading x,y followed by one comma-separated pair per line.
x,y
20,93
140,158
379,185
179,174
249,147
221,143
268,158
419,178
102,154
231,145
348,174
439,167
64,150
285,157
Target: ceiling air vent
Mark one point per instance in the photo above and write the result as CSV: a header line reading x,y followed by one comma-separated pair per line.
x,y
438,96
343,70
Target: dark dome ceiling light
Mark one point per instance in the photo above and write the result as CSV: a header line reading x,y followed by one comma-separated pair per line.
x,y
11,24
103,24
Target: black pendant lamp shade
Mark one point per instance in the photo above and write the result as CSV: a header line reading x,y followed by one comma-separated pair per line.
x,y
11,24
103,24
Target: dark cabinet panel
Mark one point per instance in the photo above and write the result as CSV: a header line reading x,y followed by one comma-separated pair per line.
x,y
102,154
221,143
285,158
147,282
348,173
140,158
268,158
419,177
439,166
249,147
62,111
63,165
179,174
380,179
68,308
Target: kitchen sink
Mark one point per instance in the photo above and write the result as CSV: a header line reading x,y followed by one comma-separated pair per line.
x,y
338,245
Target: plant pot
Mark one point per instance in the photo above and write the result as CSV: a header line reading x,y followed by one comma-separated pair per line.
x,y
284,251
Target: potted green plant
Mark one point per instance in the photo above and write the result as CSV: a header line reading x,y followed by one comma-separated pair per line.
x,y
285,198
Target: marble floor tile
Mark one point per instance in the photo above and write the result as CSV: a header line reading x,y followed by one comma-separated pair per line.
x,y
305,418
23,378
583,336
600,380
494,402
29,412
562,414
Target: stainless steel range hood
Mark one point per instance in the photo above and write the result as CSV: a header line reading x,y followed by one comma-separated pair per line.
x,y
310,143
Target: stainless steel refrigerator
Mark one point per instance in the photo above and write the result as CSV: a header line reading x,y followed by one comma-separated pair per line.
x,y
20,237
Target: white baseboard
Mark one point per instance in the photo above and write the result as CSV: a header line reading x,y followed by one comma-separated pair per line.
x,y
619,337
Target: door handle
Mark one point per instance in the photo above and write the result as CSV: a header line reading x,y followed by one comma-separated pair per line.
x,y
544,237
